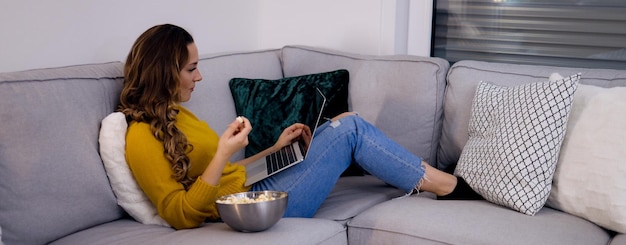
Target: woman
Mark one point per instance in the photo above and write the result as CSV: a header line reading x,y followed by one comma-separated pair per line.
x,y
183,166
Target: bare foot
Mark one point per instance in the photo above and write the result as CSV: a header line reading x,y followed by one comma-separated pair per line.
x,y
437,181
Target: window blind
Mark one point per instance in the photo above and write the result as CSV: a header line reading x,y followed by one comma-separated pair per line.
x,y
575,33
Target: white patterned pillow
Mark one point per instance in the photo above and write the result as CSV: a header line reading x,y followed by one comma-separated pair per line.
x,y
590,177
113,153
515,134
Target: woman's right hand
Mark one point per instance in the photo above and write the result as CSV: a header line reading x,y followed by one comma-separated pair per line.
x,y
292,133
235,137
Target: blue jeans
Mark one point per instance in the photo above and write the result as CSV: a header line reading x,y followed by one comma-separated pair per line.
x,y
335,146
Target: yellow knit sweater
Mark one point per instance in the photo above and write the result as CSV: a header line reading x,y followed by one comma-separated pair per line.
x,y
180,208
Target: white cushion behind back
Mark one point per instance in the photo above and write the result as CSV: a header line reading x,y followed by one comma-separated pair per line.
x,y
113,152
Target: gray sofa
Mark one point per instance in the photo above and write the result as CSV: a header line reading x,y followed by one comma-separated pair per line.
x,y
54,188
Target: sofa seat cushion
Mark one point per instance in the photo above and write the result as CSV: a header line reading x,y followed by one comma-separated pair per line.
x,y
286,231
619,240
424,220
352,195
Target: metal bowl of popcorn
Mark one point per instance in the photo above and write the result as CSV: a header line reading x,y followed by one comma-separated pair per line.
x,y
252,211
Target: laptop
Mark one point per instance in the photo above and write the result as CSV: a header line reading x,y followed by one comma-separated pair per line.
x,y
284,158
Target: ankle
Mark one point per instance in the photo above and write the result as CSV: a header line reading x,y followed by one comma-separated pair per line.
x,y
437,181
448,186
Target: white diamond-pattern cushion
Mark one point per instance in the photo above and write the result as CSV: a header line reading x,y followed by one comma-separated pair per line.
x,y
515,134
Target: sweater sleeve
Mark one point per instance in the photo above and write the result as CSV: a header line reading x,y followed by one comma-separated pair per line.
x,y
179,207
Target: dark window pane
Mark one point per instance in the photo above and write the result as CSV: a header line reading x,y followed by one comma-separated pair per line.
x,y
578,33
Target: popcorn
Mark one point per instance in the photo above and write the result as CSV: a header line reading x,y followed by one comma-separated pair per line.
x,y
245,199
239,119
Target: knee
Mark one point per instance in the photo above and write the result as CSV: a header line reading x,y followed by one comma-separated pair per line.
x,y
349,118
342,115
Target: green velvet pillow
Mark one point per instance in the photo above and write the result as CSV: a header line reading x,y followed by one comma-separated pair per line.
x,y
273,105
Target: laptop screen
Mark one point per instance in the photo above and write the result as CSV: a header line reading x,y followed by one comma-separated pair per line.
x,y
307,138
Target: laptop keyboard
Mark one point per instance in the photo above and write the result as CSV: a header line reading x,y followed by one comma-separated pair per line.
x,y
280,159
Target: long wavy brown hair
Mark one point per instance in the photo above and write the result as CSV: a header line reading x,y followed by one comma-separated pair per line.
x,y
151,90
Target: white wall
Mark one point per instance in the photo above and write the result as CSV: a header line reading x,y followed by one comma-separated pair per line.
x,y
66,32
38,34
351,25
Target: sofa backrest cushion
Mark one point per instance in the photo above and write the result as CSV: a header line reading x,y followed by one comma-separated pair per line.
x,y
212,101
402,95
52,181
463,78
